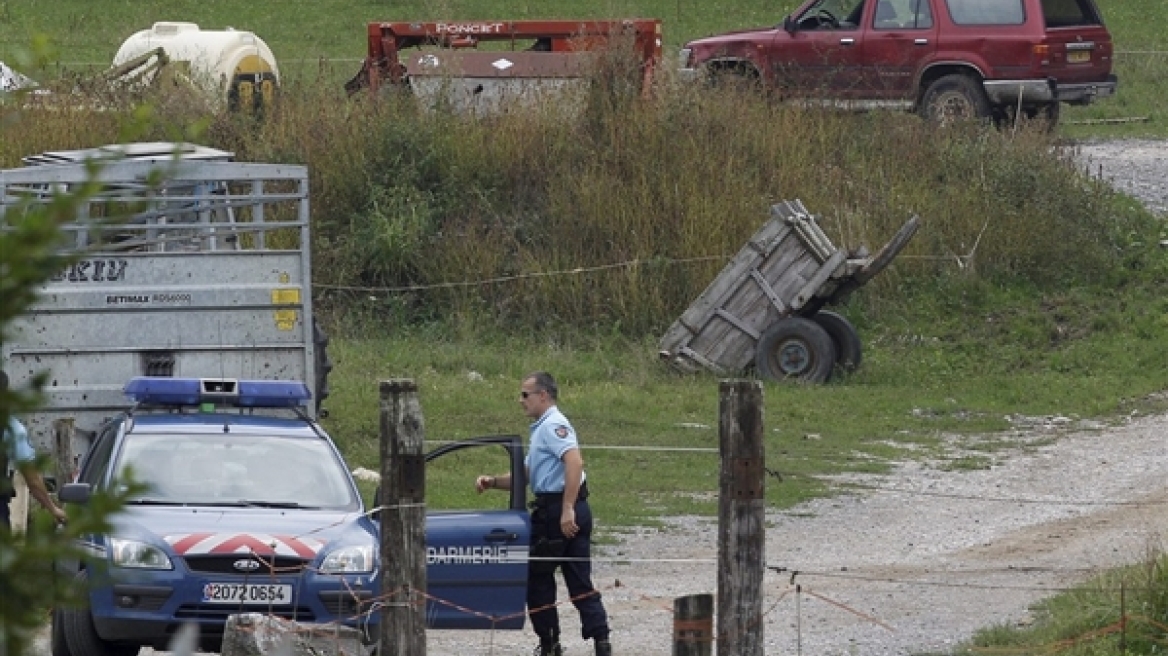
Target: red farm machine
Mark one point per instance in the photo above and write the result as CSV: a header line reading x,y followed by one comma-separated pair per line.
x,y
478,63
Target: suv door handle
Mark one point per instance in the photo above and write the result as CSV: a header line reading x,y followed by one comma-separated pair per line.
x,y
847,41
920,42
499,535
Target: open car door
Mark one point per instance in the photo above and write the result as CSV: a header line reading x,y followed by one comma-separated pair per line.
x,y
476,560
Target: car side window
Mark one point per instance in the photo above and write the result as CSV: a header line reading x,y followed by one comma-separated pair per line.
x,y
887,17
903,15
832,15
920,14
986,12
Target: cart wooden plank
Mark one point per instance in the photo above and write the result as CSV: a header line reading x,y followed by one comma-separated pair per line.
x,y
733,348
782,268
760,246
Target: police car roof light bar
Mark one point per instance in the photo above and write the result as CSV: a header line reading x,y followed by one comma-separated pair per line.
x,y
153,390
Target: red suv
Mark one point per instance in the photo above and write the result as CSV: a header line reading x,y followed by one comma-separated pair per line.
x,y
942,58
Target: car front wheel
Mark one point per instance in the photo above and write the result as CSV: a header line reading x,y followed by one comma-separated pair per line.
x,y
80,634
738,78
58,646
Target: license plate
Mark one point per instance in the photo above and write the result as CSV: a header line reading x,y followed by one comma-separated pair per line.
x,y
246,593
1079,56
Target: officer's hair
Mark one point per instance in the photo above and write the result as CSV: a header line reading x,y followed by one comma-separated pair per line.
x,y
544,381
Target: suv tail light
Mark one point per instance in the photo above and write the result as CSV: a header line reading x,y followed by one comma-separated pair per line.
x,y
1041,54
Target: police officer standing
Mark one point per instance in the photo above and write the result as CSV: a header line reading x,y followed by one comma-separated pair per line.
x,y
17,453
561,521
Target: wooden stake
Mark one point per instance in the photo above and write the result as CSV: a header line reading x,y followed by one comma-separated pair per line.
x,y
741,514
403,521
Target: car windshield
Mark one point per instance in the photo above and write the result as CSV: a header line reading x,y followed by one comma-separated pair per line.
x,y
230,469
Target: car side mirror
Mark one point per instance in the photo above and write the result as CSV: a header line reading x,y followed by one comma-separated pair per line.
x,y
789,24
75,493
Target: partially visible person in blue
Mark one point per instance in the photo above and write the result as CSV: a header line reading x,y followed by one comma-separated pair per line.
x,y
561,520
19,454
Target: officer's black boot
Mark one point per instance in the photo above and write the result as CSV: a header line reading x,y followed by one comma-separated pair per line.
x,y
603,647
549,646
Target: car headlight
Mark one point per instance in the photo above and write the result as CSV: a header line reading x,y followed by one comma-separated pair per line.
x,y
349,560
683,57
138,555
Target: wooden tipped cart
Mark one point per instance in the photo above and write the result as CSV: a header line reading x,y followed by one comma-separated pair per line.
x,y
766,307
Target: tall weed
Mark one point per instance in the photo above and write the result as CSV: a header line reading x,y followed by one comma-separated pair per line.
x,y
608,210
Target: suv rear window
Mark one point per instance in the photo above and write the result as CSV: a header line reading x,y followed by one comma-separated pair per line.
x,y
1068,13
986,12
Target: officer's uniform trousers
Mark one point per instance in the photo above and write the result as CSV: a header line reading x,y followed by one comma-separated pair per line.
x,y
577,568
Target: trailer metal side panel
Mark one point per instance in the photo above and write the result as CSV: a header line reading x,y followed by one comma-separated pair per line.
x,y
188,268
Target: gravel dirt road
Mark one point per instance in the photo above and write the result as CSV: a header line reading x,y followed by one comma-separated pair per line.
x,y
912,564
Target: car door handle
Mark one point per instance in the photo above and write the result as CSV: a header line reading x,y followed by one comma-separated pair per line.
x,y
499,535
849,41
920,42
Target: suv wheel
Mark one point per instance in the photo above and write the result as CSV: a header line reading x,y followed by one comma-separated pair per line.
x,y
733,78
955,98
1049,114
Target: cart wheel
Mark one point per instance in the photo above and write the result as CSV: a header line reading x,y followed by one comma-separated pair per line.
x,y
797,349
848,350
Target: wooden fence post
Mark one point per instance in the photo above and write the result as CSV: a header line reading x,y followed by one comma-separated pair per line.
x,y
63,464
741,516
693,625
18,507
403,521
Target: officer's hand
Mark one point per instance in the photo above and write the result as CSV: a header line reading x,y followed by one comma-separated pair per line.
x,y
568,523
483,483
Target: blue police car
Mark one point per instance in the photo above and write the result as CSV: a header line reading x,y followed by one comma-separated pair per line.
x,y
245,511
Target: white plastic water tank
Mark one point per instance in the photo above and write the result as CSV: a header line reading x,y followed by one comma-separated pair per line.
x,y
236,65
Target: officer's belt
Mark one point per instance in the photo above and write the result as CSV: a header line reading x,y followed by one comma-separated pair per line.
x,y
551,497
